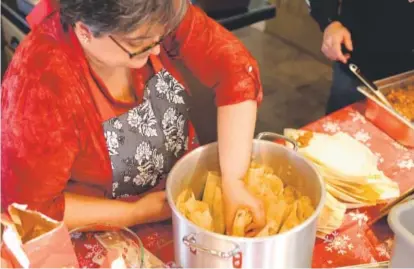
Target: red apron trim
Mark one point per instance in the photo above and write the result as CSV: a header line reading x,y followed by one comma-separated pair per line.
x,y
156,63
191,136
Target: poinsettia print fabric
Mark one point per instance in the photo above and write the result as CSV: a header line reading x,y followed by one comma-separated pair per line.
x,y
356,242
145,142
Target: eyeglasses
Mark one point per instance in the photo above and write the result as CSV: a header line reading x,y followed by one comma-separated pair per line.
x,y
141,51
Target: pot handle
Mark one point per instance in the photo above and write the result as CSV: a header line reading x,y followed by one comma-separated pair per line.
x,y
190,241
274,136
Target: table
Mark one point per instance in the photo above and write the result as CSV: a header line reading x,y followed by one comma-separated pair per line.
x,y
258,10
354,243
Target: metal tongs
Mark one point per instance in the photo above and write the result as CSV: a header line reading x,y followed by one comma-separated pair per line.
x,y
370,85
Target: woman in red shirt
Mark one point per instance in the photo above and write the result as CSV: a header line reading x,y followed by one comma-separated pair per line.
x,y
94,110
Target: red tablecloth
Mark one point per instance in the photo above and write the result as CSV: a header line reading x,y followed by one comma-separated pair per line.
x,y
355,242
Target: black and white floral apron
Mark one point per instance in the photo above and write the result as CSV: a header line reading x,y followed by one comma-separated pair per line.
x,y
145,142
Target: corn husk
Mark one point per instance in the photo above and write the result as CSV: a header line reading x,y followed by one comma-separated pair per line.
x,y
285,207
350,171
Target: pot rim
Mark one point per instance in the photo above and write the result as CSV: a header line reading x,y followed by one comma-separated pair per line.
x,y
199,230
395,224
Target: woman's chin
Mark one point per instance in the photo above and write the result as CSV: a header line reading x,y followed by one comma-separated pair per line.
x,y
137,63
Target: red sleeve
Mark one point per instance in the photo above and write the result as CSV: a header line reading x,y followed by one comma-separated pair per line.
x,y
216,57
38,140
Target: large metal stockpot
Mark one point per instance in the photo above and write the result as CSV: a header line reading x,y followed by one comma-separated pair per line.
x,y
401,221
199,248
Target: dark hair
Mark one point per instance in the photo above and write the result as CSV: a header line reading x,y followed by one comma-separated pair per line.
x,y
120,16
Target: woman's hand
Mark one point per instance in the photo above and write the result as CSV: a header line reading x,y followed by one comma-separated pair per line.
x,y
152,207
334,36
236,196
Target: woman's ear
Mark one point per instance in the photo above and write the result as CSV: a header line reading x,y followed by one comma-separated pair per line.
x,y
83,32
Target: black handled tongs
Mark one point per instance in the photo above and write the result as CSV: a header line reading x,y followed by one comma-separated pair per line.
x,y
368,83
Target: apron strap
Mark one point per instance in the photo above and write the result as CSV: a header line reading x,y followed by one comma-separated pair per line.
x,y
158,66
191,137
156,63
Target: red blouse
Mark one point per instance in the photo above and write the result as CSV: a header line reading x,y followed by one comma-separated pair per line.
x,y
52,138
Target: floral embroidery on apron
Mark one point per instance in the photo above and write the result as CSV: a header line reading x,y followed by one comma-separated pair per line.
x,y
145,142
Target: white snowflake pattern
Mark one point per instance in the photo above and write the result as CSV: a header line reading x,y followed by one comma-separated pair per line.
x,y
127,179
168,86
150,165
143,118
112,142
383,251
173,127
76,235
363,253
339,243
379,156
362,136
117,124
406,164
153,240
360,218
331,127
357,117
95,252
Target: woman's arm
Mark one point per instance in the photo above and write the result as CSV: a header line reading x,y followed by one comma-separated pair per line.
x,y
39,144
216,57
222,63
236,124
82,210
36,168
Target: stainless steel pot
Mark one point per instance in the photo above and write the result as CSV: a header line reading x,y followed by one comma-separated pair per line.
x,y
199,248
401,221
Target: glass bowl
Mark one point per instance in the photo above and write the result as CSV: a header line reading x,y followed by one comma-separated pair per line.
x,y
105,246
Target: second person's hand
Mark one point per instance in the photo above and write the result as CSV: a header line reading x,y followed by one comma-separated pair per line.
x,y
333,37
